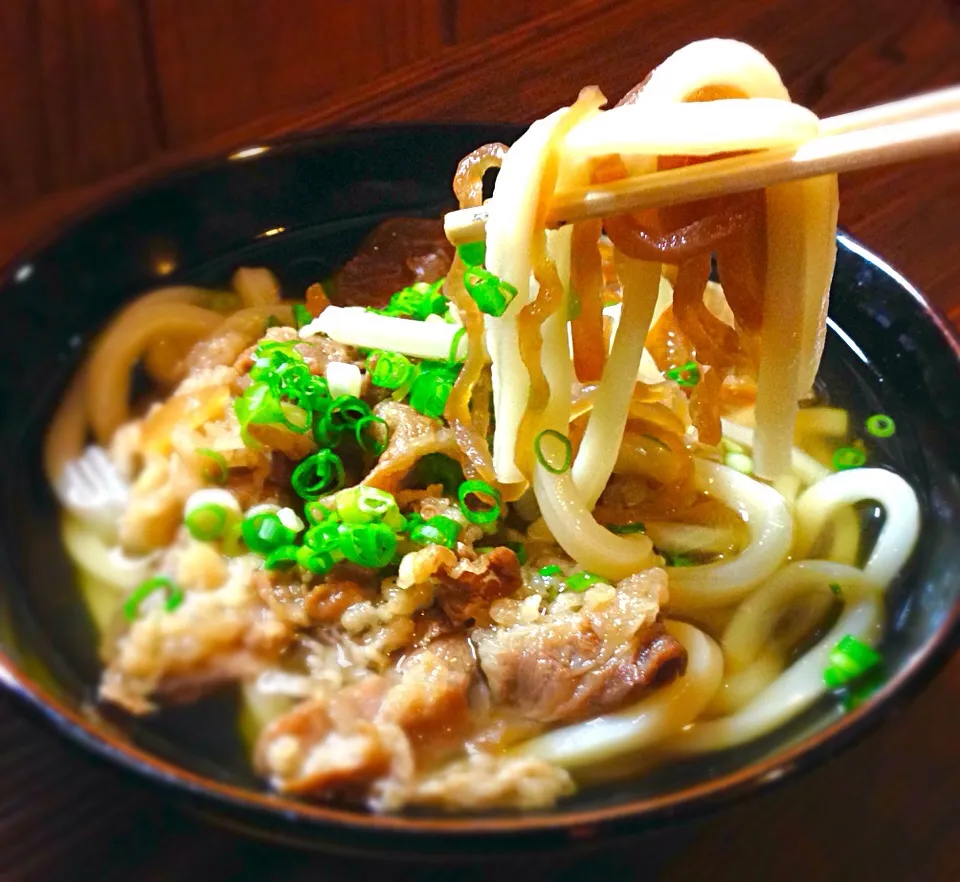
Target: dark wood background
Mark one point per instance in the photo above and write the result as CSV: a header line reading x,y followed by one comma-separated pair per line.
x,y
95,94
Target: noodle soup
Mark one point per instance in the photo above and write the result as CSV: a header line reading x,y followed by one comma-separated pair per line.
x,y
528,511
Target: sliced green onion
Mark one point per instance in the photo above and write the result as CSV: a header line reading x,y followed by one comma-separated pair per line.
x,y
281,558
259,405
323,538
491,293
215,470
677,560
850,659
264,531
372,434
318,475
346,411
174,592
479,489
430,392
206,522
389,370
420,300
438,468
626,529
315,561
542,457
369,545
301,315
438,530
551,570
580,582
836,589
687,375
881,426
452,356
363,505
848,458
473,253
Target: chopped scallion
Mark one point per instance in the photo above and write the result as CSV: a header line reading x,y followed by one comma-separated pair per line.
x,y
687,375
430,392
881,426
264,531
369,545
215,467
473,253
174,592
848,458
550,462
318,475
850,659
372,434
301,315
206,522
438,530
580,582
489,498
281,558
492,294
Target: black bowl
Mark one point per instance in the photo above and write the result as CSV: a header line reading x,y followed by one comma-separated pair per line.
x,y
300,207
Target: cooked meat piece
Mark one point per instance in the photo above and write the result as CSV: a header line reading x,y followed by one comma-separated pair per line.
x,y
285,595
327,602
467,589
398,253
306,605
318,351
487,781
417,567
430,703
365,733
412,435
213,637
282,334
575,664
330,745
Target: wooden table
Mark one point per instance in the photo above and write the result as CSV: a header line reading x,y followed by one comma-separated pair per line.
x,y
889,809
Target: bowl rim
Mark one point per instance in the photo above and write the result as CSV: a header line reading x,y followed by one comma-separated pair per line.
x,y
752,778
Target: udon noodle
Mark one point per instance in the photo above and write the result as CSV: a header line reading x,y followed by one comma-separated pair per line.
x,y
562,499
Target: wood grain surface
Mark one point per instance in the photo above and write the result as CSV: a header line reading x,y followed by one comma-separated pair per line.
x,y
74,94
887,809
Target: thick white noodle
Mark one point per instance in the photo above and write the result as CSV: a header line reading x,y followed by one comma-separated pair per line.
x,y
598,449
651,127
589,543
755,618
801,229
510,229
651,720
794,691
805,466
901,510
771,534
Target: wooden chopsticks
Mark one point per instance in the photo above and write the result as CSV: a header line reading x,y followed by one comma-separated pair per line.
x,y
911,128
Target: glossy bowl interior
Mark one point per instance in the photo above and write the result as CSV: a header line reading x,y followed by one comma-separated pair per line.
x,y
301,207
